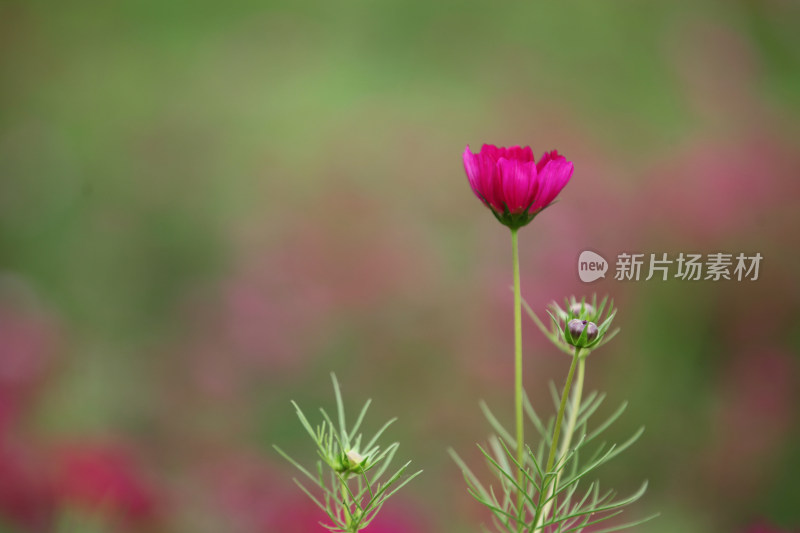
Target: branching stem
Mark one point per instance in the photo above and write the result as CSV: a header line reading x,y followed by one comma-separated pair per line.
x,y
569,431
548,476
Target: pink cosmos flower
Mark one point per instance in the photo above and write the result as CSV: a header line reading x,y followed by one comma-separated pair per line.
x,y
510,183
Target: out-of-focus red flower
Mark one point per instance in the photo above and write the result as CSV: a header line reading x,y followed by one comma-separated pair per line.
x,y
26,345
764,527
510,183
399,516
105,480
26,495
286,297
714,185
255,497
758,398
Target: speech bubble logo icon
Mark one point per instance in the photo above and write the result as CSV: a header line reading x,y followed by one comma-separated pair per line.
x,y
591,266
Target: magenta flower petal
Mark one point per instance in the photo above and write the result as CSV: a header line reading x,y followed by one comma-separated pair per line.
x,y
519,179
472,166
520,154
493,152
513,152
481,172
546,158
554,176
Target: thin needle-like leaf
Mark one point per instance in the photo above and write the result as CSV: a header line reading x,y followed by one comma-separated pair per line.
x,y
304,421
340,409
359,420
498,427
298,466
537,422
471,478
630,524
610,420
379,433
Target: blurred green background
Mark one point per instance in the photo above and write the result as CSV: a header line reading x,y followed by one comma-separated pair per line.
x,y
206,207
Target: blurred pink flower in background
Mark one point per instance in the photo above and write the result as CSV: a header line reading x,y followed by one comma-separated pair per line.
x,y
28,341
285,299
27,344
254,497
27,496
723,190
728,179
511,184
105,480
755,412
765,527
400,516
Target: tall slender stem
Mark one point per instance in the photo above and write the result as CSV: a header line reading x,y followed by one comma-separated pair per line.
x,y
575,404
518,379
548,476
569,431
352,526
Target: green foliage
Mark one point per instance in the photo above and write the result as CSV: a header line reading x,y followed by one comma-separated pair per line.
x,y
574,507
564,497
350,472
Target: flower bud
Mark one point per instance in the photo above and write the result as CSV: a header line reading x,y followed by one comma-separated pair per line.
x,y
576,308
581,333
350,462
354,459
582,323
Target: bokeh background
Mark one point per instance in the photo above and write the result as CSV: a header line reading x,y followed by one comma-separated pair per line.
x,y
207,207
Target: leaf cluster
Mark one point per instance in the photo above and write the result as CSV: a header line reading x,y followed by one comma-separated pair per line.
x,y
348,482
575,505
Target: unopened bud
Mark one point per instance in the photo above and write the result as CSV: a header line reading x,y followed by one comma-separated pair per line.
x,y
576,308
575,330
354,458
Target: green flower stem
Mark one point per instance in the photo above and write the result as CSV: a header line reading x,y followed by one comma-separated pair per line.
x,y
575,402
569,431
548,477
346,505
518,377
